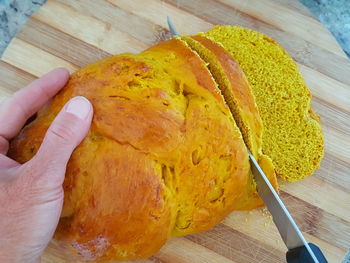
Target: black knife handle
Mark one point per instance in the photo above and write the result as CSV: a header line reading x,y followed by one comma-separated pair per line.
x,y
301,255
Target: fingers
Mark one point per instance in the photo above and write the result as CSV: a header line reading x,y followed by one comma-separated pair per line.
x,y
27,101
4,145
65,133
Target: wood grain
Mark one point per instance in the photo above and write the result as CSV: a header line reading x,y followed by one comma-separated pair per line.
x,y
72,34
289,20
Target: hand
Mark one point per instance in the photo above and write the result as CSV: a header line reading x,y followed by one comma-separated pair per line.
x,y
31,194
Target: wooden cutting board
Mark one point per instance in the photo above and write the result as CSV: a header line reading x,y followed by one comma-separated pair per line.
x,y
73,34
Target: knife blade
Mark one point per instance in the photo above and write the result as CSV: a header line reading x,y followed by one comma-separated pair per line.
x,y
289,231
171,27
299,251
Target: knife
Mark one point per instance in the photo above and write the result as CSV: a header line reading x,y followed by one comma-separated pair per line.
x,y
171,27
299,250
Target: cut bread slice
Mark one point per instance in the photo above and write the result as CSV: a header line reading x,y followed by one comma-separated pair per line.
x,y
240,99
292,136
234,87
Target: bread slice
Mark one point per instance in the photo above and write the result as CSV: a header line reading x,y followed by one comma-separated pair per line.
x,y
292,136
240,99
234,87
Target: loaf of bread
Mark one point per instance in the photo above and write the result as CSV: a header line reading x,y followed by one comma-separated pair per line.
x,y
167,151
292,137
163,157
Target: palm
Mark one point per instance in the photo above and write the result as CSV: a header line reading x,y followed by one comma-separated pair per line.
x,y
36,212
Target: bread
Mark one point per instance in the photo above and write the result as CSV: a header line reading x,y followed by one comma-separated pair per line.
x,y
163,157
166,153
240,99
292,137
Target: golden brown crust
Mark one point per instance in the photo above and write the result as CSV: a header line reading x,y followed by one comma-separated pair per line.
x,y
192,63
118,198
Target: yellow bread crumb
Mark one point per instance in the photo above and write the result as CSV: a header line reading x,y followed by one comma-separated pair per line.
x,y
292,136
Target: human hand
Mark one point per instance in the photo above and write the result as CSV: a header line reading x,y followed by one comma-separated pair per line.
x,y
31,194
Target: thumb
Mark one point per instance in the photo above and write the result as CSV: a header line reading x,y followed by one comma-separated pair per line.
x,y
65,133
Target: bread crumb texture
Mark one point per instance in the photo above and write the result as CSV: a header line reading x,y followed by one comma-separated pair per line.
x,y
292,135
163,156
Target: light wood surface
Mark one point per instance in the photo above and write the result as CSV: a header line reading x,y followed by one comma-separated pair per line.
x,y
73,34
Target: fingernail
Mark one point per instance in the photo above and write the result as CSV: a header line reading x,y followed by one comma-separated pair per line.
x,y
79,106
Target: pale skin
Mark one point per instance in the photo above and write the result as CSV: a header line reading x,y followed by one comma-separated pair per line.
x,y
31,194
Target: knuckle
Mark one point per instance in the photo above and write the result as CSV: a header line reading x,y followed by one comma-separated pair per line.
x,y
4,145
63,133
